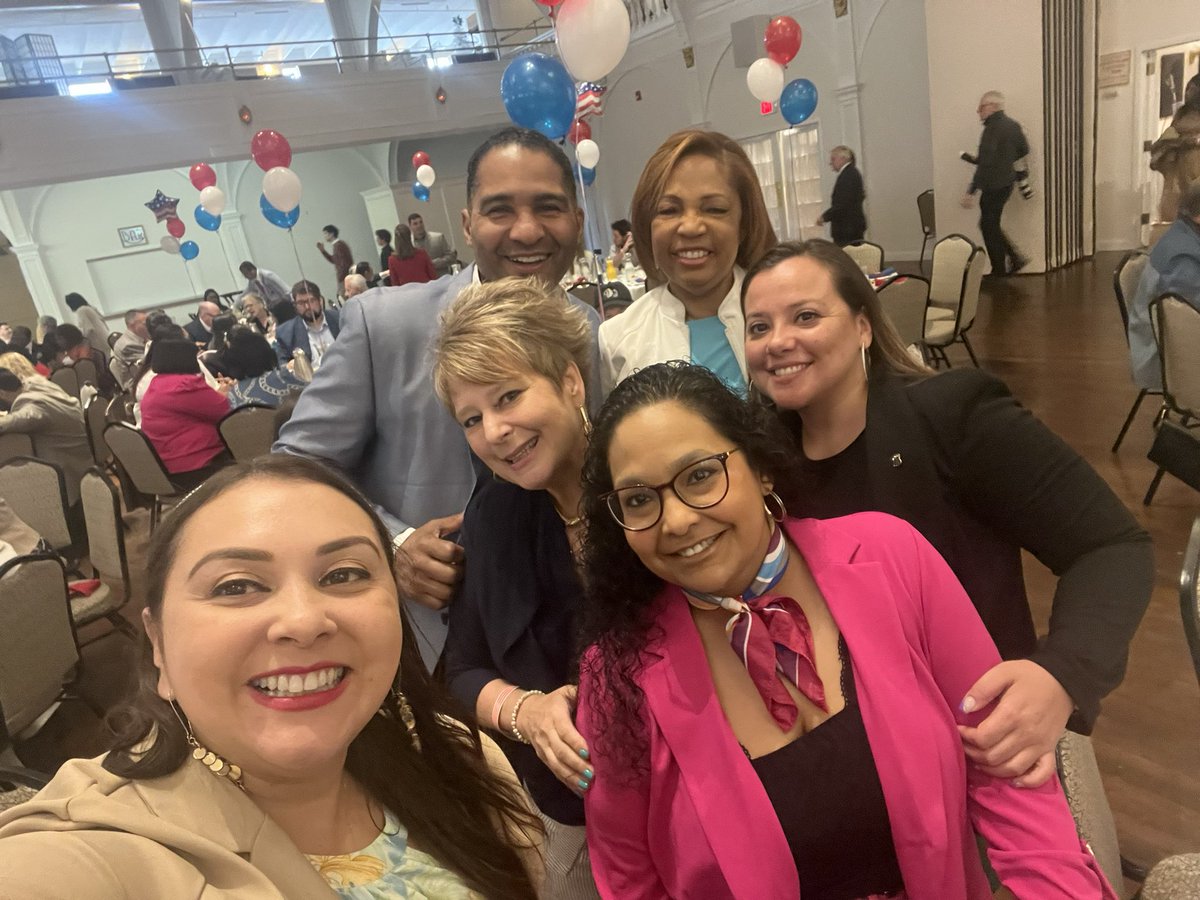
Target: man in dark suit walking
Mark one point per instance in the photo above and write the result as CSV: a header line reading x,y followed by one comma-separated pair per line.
x,y
847,221
314,328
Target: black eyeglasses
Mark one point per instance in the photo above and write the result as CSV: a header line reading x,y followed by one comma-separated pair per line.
x,y
699,485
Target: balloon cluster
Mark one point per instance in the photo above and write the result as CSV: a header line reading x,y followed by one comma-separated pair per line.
x,y
280,199
539,91
425,176
765,78
165,209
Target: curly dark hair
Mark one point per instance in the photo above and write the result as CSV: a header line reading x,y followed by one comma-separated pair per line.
x,y
444,791
618,618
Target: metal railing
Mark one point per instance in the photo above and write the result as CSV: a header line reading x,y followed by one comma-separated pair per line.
x,y
278,59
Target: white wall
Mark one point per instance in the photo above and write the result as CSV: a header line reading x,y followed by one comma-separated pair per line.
x,y
1120,160
977,46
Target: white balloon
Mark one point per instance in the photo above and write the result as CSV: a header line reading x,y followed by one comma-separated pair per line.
x,y
587,153
426,175
282,188
592,36
765,80
170,244
212,200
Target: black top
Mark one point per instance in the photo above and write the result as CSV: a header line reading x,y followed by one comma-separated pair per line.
x,y
1000,146
832,485
826,792
514,617
847,221
384,252
957,457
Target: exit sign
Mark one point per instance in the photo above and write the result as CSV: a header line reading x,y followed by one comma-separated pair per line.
x,y
766,108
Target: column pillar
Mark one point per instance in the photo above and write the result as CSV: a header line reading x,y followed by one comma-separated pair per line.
x,y
355,27
169,24
233,242
29,255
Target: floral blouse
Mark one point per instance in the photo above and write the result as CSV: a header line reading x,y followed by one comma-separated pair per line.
x,y
389,869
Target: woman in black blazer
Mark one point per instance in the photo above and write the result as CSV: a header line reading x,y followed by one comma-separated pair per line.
x,y
976,473
511,362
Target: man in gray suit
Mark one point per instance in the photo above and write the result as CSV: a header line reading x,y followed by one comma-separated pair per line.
x,y
432,242
371,410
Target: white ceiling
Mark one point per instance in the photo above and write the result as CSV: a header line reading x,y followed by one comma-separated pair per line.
x,y
106,27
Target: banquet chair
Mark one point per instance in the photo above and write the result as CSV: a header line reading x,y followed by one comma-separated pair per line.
x,y
925,209
1178,336
588,292
248,431
67,379
17,783
1125,281
1189,595
14,444
85,373
1174,878
113,337
1079,774
106,552
137,458
904,302
941,331
867,256
39,654
95,418
951,256
37,492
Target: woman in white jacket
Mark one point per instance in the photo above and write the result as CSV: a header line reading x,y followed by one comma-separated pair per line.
x,y
698,222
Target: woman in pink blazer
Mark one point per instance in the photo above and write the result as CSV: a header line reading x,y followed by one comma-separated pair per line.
x,y
772,705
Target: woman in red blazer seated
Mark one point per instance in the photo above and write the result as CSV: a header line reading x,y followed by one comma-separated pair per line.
x,y
180,413
771,705
409,264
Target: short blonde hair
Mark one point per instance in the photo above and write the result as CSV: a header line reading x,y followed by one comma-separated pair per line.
x,y
509,327
18,365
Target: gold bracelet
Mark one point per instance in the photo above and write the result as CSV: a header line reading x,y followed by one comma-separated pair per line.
x,y
512,720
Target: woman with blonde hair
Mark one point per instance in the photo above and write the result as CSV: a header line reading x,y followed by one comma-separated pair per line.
x,y
699,221
511,363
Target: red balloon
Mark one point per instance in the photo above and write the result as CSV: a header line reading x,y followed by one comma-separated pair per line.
x,y
270,149
202,176
580,131
420,158
175,227
782,39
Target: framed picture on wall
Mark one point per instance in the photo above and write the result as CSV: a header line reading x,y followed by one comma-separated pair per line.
x,y
133,236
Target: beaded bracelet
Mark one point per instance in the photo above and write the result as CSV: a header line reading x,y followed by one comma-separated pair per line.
x,y
499,705
512,720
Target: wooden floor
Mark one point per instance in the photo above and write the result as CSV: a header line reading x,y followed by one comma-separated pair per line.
x,y
1057,341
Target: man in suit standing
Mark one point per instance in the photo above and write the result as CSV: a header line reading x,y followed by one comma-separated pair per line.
x,y
314,329
432,242
847,221
264,283
371,409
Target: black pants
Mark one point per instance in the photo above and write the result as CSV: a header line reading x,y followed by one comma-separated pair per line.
x,y
991,208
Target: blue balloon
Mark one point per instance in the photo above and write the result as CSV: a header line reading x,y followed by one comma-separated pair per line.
x,y
420,192
277,217
798,101
189,249
589,175
207,220
538,93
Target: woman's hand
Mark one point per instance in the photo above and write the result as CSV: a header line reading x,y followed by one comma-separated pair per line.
x,y
1018,737
548,722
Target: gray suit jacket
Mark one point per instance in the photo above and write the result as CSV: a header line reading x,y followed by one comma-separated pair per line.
x,y
371,411
438,248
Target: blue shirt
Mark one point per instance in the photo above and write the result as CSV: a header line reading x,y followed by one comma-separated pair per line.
x,y
711,349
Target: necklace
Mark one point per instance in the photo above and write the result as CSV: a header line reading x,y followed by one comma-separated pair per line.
x,y
569,523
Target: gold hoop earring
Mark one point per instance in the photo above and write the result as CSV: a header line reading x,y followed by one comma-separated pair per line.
x,y
587,422
782,514
204,756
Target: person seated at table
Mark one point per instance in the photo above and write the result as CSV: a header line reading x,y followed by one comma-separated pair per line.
x,y
975,473
699,221
180,412
73,346
255,370
256,315
510,363
284,740
409,264
772,704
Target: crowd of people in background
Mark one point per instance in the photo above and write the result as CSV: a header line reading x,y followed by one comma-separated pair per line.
x,y
721,597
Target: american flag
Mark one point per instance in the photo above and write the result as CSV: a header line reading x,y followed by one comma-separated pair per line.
x,y
590,100
162,206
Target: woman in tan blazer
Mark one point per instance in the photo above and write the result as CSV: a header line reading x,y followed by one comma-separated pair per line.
x,y
284,740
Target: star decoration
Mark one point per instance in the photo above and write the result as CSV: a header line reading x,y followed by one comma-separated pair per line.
x,y
163,206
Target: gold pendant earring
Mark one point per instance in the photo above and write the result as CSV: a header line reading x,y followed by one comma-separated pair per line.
x,y
404,709
587,422
206,757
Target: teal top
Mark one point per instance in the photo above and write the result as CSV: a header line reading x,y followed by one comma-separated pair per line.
x,y
389,869
710,348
